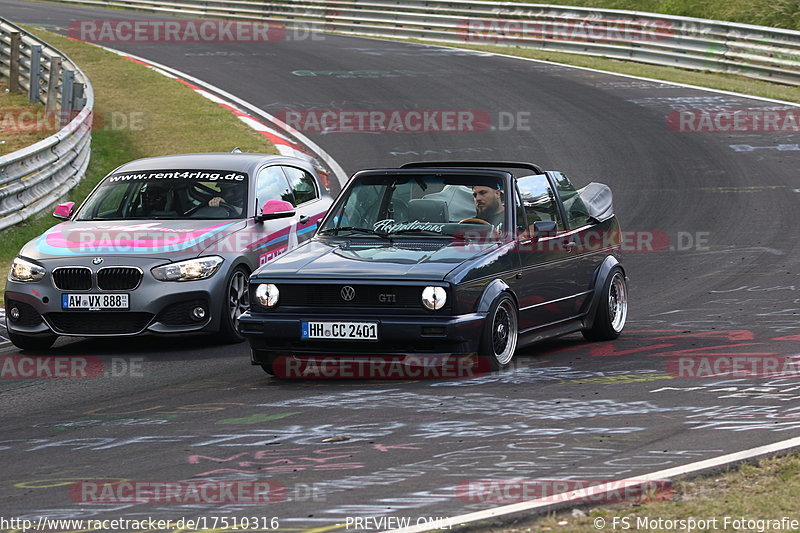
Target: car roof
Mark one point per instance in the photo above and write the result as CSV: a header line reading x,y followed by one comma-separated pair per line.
x,y
238,162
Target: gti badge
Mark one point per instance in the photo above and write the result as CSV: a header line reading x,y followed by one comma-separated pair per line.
x,y
348,293
97,260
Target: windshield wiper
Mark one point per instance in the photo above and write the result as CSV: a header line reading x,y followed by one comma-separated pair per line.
x,y
365,231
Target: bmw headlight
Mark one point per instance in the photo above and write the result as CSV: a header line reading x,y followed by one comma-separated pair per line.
x,y
267,295
22,270
190,270
434,298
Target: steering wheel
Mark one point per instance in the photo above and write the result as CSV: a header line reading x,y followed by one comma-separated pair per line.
x,y
229,209
474,221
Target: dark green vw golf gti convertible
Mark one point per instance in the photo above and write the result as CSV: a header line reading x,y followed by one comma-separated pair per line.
x,y
441,259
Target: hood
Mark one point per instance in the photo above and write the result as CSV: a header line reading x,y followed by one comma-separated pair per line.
x,y
365,258
159,239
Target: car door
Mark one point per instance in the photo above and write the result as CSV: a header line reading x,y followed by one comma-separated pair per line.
x,y
592,243
546,280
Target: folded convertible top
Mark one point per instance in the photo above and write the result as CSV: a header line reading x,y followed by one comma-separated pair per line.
x,y
598,200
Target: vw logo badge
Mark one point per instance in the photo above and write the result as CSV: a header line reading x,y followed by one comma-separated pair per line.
x,y
348,293
97,260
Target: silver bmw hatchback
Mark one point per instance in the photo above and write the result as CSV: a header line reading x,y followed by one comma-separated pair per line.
x,y
162,245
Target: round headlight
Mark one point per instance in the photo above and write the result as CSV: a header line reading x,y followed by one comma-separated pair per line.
x,y
267,295
434,297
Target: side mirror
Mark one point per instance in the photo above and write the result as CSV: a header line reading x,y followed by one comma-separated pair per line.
x,y
275,209
64,211
544,226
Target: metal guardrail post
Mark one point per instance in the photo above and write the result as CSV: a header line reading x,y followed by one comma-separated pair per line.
x,y
53,73
67,80
13,66
35,81
78,101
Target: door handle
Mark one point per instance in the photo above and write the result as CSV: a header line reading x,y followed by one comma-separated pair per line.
x,y
304,219
569,246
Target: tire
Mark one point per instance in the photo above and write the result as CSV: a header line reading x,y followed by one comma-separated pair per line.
x,y
500,333
235,302
31,342
612,310
267,363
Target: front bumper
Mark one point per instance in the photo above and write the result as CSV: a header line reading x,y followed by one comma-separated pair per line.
x,y
274,335
154,306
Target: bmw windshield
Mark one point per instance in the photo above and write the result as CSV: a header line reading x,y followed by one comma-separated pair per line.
x,y
418,205
168,195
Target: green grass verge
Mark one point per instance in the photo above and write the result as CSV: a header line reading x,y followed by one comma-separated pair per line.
x,y
142,114
18,121
766,490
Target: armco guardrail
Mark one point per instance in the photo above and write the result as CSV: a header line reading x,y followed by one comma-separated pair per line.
x,y
761,52
35,177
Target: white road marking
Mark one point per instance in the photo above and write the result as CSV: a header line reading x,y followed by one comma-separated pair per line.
x,y
590,493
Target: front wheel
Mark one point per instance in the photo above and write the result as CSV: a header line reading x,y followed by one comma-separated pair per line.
x,y
235,302
612,311
500,333
31,342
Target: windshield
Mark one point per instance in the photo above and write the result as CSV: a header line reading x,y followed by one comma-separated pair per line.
x,y
426,205
168,195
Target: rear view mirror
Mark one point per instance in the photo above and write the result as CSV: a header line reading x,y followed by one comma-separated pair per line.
x,y
64,211
274,209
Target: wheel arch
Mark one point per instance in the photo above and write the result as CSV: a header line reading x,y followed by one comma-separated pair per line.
x,y
602,274
493,291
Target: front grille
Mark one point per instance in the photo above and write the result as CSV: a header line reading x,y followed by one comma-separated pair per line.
x,y
28,316
395,297
118,278
72,278
180,314
92,323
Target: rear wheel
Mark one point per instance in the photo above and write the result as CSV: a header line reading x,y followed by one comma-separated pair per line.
x,y
500,333
612,311
32,342
235,303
